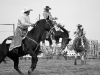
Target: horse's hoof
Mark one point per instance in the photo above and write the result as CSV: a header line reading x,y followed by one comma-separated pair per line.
x,y
29,71
82,62
21,74
75,63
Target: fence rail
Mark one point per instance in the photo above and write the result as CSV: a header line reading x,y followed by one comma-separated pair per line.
x,y
9,24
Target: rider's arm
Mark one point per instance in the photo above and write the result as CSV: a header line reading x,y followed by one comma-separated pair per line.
x,y
76,32
25,21
52,17
84,32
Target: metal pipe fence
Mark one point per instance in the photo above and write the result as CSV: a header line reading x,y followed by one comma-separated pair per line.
x,y
10,25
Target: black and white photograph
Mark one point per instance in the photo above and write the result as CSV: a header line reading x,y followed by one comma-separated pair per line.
x,y
49,37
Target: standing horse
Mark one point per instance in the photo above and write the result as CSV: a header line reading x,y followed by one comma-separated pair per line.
x,y
80,49
31,46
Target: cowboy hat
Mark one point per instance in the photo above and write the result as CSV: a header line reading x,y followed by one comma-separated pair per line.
x,y
47,7
26,9
79,25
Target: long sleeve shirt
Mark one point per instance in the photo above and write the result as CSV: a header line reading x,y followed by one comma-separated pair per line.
x,y
24,21
79,33
47,14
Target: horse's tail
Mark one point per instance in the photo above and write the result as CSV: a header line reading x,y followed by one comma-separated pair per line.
x,y
3,51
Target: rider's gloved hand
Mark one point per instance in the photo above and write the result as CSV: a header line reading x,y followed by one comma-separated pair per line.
x,y
33,25
55,18
74,32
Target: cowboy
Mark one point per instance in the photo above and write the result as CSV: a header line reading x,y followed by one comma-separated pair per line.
x,y
79,33
22,28
47,14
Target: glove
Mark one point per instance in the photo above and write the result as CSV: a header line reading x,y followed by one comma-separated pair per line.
x,y
33,25
74,32
55,18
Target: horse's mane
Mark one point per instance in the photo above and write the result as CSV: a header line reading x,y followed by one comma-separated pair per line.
x,y
39,21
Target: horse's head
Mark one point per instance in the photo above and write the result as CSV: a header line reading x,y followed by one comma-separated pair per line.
x,y
45,24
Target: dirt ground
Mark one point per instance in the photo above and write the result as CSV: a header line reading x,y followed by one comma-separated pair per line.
x,y
53,67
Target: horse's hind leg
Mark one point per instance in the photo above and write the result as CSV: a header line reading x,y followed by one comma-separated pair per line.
x,y
85,57
75,60
16,62
82,58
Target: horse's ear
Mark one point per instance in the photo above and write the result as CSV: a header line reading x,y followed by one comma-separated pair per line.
x,y
63,26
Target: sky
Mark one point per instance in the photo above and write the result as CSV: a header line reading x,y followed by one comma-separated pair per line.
x,y
69,13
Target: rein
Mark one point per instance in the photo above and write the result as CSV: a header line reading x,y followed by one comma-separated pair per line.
x,y
33,41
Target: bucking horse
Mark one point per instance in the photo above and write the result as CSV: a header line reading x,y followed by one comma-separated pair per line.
x,y
31,45
56,35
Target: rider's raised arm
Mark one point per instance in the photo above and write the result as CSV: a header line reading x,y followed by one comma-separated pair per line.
x,y
84,32
51,17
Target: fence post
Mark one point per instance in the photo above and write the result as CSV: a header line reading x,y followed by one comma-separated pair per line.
x,y
39,16
13,29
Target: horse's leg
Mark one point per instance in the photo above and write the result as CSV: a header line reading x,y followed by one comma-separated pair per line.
x,y
82,58
34,61
54,46
16,62
50,45
50,42
85,57
44,48
75,60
